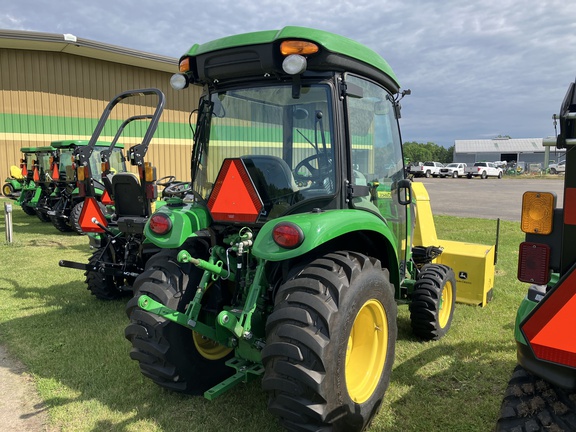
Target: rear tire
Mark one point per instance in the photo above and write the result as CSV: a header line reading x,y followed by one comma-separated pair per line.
x,y
61,224
171,355
532,404
433,301
102,286
330,344
484,175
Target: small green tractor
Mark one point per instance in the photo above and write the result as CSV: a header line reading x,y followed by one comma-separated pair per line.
x,y
288,254
541,394
13,184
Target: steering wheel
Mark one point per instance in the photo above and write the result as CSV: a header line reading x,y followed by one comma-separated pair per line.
x,y
317,175
166,180
176,189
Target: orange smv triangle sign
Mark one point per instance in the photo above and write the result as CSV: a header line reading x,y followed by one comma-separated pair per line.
x,y
90,214
106,199
234,198
549,327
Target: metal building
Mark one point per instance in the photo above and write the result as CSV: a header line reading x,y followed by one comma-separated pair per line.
x,y
529,151
55,87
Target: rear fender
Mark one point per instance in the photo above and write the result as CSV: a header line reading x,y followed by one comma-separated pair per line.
x,y
320,228
186,220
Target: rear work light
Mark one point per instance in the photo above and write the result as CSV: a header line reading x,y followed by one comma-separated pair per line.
x,y
537,212
160,224
533,263
288,235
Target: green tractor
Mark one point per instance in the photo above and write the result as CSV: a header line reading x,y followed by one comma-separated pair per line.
x,y
120,249
38,185
541,394
65,204
13,184
287,256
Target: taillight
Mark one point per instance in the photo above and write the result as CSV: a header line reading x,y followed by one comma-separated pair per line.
x,y
288,235
534,263
160,223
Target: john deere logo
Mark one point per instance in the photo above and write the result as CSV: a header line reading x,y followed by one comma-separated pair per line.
x,y
463,275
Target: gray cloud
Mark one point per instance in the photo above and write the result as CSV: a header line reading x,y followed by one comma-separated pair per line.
x,y
476,69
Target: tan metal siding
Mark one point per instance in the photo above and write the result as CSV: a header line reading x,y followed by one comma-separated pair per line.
x,y
75,90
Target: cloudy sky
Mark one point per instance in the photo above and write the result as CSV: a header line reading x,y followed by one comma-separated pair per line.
x,y
477,69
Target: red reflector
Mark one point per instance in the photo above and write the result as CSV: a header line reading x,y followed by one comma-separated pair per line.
x,y
234,197
160,223
24,170
549,328
288,235
533,263
36,175
91,212
106,199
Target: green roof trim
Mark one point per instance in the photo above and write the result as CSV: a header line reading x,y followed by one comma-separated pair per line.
x,y
329,41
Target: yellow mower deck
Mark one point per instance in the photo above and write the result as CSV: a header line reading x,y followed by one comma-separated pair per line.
x,y
473,264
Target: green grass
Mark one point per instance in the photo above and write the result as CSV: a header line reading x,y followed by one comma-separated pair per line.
x,y
73,345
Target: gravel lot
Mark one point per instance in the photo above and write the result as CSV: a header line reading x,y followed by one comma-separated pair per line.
x,y
490,199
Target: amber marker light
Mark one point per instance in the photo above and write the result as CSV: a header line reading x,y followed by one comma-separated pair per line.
x,y
537,212
184,65
298,47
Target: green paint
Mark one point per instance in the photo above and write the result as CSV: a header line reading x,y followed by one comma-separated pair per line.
x,y
56,125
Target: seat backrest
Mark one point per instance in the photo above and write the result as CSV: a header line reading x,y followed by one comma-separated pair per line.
x,y
275,170
128,196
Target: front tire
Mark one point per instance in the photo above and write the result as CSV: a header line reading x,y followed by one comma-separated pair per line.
x,y
330,344
433,301
171,355
8,190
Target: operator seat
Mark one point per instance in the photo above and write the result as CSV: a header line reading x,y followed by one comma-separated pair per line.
x,y
131,207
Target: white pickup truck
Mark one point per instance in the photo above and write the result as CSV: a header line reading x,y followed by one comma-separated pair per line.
x,y
454,170
483,170
427,169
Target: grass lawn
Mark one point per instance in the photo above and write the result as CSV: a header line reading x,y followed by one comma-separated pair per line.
x,y
73,345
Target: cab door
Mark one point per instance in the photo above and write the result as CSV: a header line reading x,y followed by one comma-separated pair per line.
x,y
376,157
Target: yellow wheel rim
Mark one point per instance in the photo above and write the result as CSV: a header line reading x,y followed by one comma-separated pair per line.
x,y
445,305
366,351
208,348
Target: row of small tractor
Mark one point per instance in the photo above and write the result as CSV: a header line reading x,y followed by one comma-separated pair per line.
x,y
45,184
285,255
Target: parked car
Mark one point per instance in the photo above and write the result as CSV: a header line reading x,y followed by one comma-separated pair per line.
x,y
483,170
557,168
427,169
454,170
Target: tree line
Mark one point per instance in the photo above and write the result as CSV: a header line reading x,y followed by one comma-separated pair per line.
x,y
419,152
